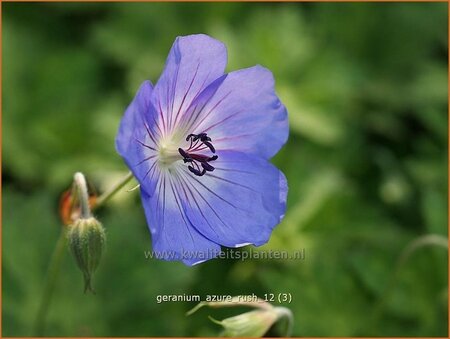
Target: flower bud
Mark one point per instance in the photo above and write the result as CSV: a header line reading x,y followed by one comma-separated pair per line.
x,y
87,241
253,324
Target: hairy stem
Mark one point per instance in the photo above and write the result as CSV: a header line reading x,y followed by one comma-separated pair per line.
x,y
52,276
429,240
109,194
83,197
286,313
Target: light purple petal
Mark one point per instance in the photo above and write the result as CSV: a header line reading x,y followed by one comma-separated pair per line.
x,y
239,203
136,138
173,236
245,114
193,63
187,121
133,118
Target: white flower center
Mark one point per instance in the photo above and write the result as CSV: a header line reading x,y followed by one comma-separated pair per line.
x,y
168,148
168,153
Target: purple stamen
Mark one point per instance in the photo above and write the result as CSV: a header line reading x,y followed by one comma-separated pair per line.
x,y
198,163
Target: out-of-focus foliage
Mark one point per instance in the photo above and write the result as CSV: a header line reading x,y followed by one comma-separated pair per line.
x,y
366,90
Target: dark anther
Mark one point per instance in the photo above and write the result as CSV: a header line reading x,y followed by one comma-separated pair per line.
x,y
214,157
207,167
196,171
198,162
183,153
191,136
204,137
210,146
201,136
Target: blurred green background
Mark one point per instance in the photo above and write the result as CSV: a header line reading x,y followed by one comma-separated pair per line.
x,y
366,90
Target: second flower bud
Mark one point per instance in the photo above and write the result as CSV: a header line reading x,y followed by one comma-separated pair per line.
x,y
87,242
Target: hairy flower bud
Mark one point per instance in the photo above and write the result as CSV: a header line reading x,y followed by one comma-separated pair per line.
x,y
87,241
253,324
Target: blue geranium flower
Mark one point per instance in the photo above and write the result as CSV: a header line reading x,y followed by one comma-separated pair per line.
x,y
199,142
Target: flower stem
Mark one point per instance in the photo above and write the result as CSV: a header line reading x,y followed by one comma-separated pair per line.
x,y
286,313
52,275
109,194
429,240
81,188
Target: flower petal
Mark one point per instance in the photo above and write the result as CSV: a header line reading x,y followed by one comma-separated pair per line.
x,y
193,63
173,236
132,119
237,204
245,114
136,138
